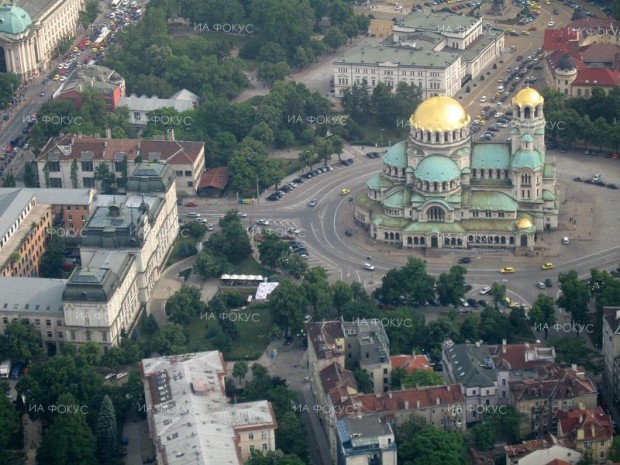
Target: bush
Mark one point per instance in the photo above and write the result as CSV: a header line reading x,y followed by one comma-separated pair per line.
x,y
234,299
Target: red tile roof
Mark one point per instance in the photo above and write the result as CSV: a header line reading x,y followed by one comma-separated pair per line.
x,y
558,39
595,423
597,76
71,147
526,447
600,53
410,362
216,178
521,356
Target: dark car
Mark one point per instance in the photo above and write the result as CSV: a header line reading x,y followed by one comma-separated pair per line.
x,y
465,260
472,302
612,186
578,179
549,282
482,303
348,232
468,287
299,180
599,183
17,370
433,302
273,197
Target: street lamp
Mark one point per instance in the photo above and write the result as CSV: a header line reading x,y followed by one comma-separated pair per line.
x,y
381,137
257,190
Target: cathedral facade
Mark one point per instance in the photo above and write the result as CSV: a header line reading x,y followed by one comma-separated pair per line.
x,y
438,189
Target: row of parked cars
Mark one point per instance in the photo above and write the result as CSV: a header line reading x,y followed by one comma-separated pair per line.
x,y
596,180
277,195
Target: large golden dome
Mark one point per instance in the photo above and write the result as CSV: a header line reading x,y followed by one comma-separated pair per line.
x,y
528,97
439,114
524,223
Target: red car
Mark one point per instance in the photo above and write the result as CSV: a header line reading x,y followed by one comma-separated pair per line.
x,y
191,204
532,29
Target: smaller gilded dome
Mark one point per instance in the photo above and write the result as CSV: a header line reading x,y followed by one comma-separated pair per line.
x,y
439,114
528,97
524,223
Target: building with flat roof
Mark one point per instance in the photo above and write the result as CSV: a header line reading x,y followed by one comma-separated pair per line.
x,y
439,189
144,224
191,422
140,107
365,440
31,33
546,451
24,224
60,153
104,81
437,51
38,302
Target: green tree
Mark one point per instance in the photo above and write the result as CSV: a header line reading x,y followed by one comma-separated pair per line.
x,y
483,437
21,342
68,440
9,181
53,257
543,312
271,249
493,326
294,266
412,282
288,435
184,305
364,381
317,291
240,369
30,176
9,83
451,285
334,39
276,457
46,174
106,433
171,339
9,425
572,349
288,303
587,458
74,174
208,265
433,446
575,296
498,293
614,451
469,328
420,378
105,177
341,295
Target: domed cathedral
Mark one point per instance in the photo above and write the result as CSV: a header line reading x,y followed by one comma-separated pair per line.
x,y
438,189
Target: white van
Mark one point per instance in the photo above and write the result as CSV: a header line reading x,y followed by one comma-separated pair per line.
x,y
565,241
500,88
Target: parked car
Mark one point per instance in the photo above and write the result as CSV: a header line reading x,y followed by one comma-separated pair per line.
x,y
540,285
191,204
464,260
549,282
485,290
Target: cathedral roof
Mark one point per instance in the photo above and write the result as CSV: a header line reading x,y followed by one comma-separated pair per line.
x,y
526,159
439,114
489,200
396,156
13,19
491,156
437,168
379,180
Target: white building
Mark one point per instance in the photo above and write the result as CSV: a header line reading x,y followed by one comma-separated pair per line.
x,y
191,422
141,107
438,52
31,33
540,452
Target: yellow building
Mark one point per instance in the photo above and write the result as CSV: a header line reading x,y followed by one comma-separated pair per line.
x,y
586,429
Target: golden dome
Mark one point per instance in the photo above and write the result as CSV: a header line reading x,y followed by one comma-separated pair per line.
x,y
439,114
524,223
528,97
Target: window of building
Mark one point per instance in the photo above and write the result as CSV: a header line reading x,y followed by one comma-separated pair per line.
x,y
60,336
503,394
87,166
263,435
385,371
504,382
118,166
53,166
179,173
88,182
251,449
88,335
263,446
487,214
59,323
48,322
56,183
49,334
188,173
104,336
475,213
190,183
72,335
251,436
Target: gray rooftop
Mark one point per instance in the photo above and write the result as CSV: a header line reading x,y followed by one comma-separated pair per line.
x,y
472,366
362,432
56,196
12,202
129,210
191,415
397,56
181,101
35,8
31,295
439,21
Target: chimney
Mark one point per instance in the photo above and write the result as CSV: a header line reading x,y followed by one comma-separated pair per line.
x,y
593,431
448,388
438,401
574,366
580,434
503,346
108,133
417,404
527,345
406,405
390,394
618,314
170,133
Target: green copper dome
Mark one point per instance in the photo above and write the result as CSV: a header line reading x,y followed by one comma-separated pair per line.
x,y
13,19
526,159
437,168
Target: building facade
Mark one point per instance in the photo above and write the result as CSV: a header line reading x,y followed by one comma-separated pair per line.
x,y
31,33
85,154
365,441
140,107
439,189
104,81
611,350
541,451
586,429
24,226
437,51
190,418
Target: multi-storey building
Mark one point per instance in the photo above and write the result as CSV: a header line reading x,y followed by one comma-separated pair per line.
x,y
436,51
104,81
365,440
439,189
24,225
31,33
611,350
141,107
546,451
585,429
37,302
144,224
190,419
85,154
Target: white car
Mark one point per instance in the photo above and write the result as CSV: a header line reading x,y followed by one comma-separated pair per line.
x,y
193,215
110,375
202,220
121,375
307,318
63,78
463,302
551,24
499,114
483,99
242,215
369,266
540,285
485,290
262,222
565,240
210,227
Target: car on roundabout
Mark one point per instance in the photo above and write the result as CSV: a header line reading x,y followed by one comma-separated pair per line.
x,y
547,266
262,222
540,285
507,270
345,191
313,203
191,204
242,215
369,266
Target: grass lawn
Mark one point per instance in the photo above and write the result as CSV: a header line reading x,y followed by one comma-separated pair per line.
x,y
181,250
250,266
254,336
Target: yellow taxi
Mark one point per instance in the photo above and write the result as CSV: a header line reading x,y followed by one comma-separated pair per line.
x,y
87,42
345,191
94,49
506,270
547,266
525,33
76,49
482,122
57,77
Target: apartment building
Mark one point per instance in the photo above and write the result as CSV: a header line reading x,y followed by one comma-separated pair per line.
x,y
585,429
82,155
190,419
24,225
546,451
104,81
365,440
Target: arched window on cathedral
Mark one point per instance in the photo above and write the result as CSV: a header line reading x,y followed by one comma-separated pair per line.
x,y
435,214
